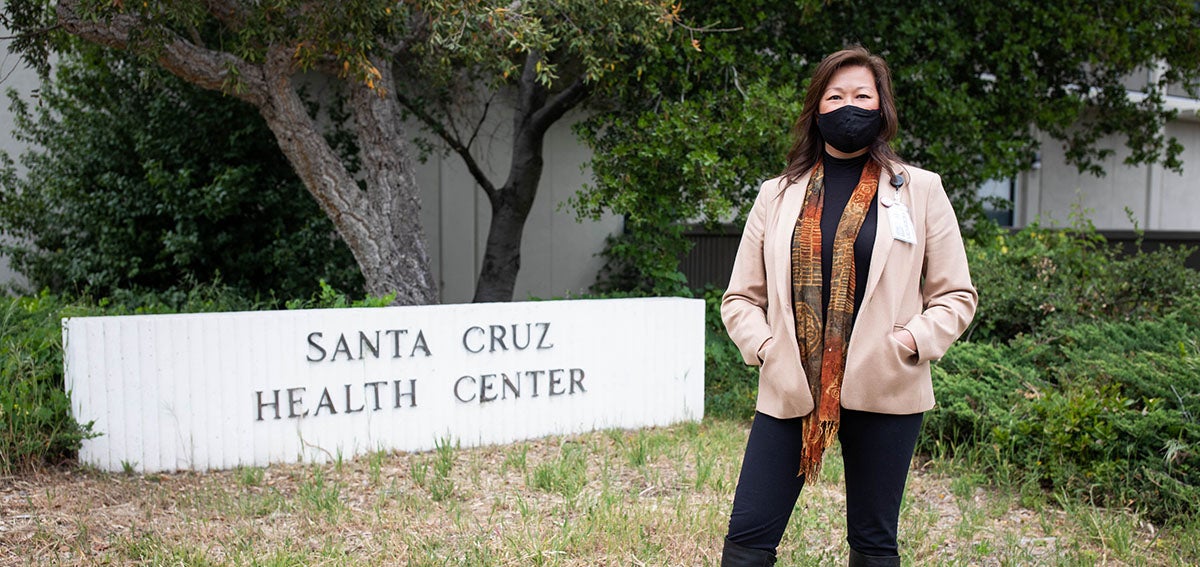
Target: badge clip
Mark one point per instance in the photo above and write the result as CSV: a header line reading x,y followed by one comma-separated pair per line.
x,y
897,182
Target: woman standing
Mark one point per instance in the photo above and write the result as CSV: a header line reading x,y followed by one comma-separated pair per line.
x,y
850,278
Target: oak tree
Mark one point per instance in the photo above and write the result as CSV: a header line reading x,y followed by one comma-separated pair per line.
x,y
388,59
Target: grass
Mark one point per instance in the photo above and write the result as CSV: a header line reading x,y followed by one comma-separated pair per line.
x,y
651,497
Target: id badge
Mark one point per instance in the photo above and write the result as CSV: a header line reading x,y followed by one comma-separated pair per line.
x,y
902,226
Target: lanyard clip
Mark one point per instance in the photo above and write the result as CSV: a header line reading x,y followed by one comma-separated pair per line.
x,y
897,182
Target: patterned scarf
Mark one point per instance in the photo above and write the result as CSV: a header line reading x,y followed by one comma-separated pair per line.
x,y
823,340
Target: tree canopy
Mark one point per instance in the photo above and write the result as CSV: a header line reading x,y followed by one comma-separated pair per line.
x,y
388,59
136,179
974,83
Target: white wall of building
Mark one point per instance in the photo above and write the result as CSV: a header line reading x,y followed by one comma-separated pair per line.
x,y
17,76
1178,202
558,253
1156,198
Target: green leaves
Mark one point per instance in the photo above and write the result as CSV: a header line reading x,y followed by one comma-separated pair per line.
x,y
1038,279
1083,370
1103,412
35,412
698,160
975,82
350,37
138,180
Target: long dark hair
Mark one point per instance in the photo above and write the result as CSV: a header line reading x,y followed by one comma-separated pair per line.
x,y
809,145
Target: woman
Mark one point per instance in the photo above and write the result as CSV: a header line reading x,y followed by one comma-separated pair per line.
x,y
850,278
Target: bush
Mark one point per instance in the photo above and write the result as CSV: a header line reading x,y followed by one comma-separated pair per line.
x,y
644,261
1081,371
1117,424
35,413
138,180
1105,412
730,386
1038,278
976,385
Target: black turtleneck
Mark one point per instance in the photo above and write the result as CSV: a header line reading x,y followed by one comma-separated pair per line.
x,y
841,177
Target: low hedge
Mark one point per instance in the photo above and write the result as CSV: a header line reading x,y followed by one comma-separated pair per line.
x,y
1106,412
35,413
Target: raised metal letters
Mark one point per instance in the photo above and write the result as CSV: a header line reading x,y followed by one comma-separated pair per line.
x,y
394,343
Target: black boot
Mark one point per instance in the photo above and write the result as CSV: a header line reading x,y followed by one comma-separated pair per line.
x,y
735,555
862,560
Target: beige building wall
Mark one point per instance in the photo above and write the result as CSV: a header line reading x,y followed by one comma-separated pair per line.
x,y
1178,204
558,253
1156,198
25,81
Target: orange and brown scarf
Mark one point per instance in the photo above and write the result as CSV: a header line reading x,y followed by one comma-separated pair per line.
x,y
823,339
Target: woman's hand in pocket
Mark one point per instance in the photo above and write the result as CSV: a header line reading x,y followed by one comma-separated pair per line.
x,y
904,337
762,351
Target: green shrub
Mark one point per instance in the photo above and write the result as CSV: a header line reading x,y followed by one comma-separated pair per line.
x,y
730,386
1082,370
135,179
1105,412
645,261
35,413
1118,424
976,385
326,297
1039,277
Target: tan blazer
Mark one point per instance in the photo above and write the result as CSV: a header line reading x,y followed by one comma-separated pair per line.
x,y
923,287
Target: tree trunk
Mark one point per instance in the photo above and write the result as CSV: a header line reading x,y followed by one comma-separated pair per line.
x,y
380,224
510,208
385,151
502,255
536,111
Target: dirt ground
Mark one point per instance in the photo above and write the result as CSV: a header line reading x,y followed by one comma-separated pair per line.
x,y
73,516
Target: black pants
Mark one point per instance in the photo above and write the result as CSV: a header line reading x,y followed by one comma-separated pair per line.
x,y
877,450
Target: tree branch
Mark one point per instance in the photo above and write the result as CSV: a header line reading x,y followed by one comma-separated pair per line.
x,y
31,33
559,105
533,110
482,118
463,150
447,112
314,160
418,24
531,95
214,70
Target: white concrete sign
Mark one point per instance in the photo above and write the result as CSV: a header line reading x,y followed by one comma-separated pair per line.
x,y
216,391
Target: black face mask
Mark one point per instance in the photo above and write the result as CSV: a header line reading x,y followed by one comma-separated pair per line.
x,y
850,128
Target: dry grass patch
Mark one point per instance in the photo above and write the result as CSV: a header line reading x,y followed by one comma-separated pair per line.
x,y
651,497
